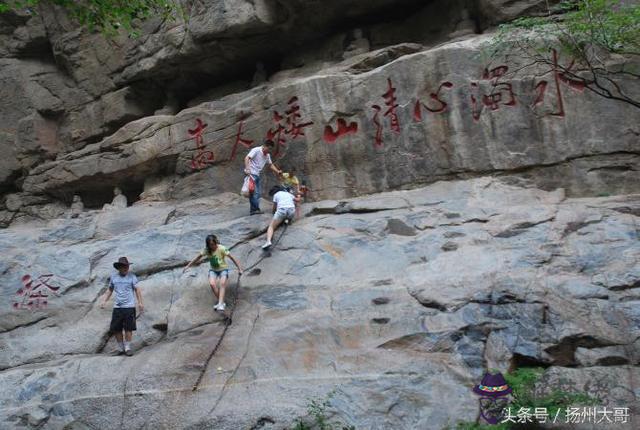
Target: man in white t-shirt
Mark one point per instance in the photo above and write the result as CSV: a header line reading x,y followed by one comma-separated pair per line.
x,y
284,208
253,164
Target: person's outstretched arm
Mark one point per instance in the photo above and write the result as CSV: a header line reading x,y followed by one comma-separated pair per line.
x,y
192,262
236,263
275,170
139,297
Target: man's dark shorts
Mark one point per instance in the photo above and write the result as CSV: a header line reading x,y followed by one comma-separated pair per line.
x,y
123,319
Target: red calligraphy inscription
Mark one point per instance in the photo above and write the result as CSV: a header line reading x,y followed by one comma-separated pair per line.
x,y
330,136
390,101
559,76
440,106
295,128
501,93
289,124
240,140
201,158
34,292
276,134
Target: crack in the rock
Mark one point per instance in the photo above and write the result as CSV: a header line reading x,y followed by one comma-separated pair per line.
x,y
521,227
124,400
345,208
455,224
254,235
30,323
228,321
96,257
174,335
169,216
93,302
235,370
43,360
304,266
471,174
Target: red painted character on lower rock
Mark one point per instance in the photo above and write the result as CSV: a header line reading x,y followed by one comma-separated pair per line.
x,y
34,293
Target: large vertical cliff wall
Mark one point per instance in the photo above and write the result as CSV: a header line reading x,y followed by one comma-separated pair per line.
x,y
354,120
463,215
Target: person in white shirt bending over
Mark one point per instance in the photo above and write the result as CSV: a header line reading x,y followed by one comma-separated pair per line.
x,y
253,164
284,208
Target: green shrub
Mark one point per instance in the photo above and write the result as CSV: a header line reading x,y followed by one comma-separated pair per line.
x,y
525,395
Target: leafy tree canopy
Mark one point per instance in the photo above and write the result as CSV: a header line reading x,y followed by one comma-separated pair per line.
x,y
602,36
106,16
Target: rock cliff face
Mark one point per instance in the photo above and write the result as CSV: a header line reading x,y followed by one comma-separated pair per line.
x,y
395,302
394,117
462,216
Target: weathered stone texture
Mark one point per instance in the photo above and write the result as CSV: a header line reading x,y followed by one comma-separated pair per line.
x,y
363,297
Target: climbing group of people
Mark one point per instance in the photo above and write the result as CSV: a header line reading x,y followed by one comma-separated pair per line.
x,y
286,206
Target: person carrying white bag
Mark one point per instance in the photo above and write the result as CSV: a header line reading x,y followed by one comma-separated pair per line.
x,y
254,162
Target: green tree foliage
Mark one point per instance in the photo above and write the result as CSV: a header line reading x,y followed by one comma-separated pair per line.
x,y
525,394
106,16
601,36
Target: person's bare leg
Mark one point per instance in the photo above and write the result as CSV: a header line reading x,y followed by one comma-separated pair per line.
x,y
272,227
214,287
127,335
270,232
223,288
119,337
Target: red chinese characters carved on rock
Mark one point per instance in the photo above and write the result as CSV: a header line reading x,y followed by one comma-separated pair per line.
x,y
202,158
439,105
541,87
390,101
501,92
288,124
240,140
330,136
34,292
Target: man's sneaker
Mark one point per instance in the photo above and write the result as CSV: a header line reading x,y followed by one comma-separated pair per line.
x,y
267,244
221,307
128,352
256,212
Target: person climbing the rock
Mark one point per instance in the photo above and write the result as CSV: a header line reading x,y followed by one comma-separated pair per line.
x,y
289,180
253,164
219,271
284,207
123,317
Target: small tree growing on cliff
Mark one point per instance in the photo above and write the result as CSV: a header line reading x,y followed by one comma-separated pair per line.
x,y
601,36
106,16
